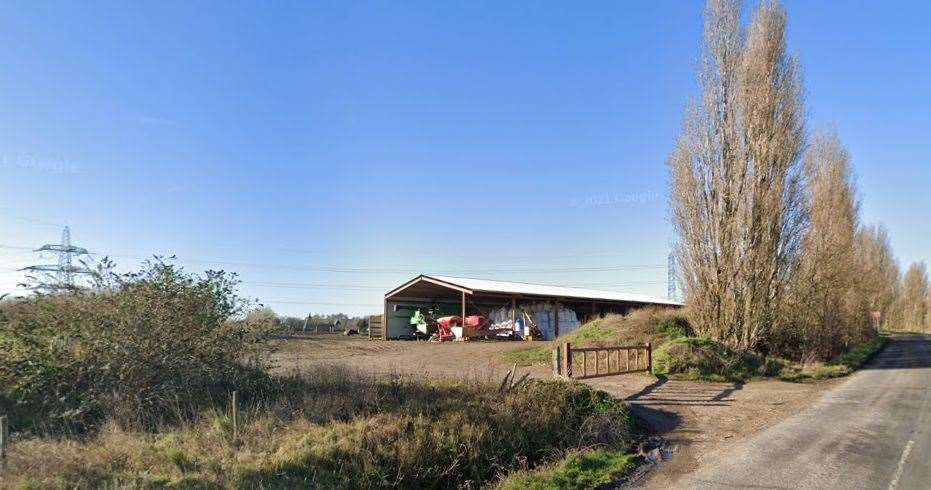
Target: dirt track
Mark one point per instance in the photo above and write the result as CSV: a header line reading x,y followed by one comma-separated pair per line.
x,y
702,419
697,419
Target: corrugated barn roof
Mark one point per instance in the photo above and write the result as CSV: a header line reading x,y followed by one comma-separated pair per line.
x,y
506,287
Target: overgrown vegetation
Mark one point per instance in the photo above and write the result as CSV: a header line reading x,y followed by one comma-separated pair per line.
x,y
128,385
708,360
136,349
843,365
333,428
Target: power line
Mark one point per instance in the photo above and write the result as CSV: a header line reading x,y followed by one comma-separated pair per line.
x,y
311,303
346,287
366,287
17,247
409,270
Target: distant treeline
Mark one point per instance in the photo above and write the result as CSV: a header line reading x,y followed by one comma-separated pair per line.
x,y
323,323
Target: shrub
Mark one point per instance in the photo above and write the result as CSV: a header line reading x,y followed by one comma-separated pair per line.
x,y
138,348
673,323
702,358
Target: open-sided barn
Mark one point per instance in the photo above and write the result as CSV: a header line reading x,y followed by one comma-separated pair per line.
x,y
554,310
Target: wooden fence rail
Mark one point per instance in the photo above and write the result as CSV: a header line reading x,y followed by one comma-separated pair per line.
x,y
593,362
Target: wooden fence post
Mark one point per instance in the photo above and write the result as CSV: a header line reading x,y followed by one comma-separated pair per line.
x,y
4,438
650,357
566,360
235,406
556,362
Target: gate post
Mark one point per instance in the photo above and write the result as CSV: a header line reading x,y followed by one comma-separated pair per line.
x,y
556,362
650,357
566,360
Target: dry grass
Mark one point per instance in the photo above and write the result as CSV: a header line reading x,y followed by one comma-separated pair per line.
x,y
337,429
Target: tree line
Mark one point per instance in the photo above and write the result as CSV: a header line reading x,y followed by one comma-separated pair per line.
x,y
773,254
322,322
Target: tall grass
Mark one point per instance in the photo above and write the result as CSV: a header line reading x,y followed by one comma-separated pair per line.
x,y
698,358
333,428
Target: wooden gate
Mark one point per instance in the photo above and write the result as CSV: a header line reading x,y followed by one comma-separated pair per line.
x,y
593,362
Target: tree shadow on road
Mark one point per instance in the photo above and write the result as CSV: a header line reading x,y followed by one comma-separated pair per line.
x,y
908,351
667,392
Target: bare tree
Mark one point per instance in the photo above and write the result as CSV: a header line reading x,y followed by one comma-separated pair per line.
x,y
826,308
914,297
736,198
879,272
927,325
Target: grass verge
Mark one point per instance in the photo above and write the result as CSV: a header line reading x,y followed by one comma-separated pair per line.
x,y
845,364
701,359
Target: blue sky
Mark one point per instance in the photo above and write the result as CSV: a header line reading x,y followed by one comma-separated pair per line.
x,y
328,151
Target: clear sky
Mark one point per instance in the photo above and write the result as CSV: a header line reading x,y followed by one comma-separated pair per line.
x,y
328,151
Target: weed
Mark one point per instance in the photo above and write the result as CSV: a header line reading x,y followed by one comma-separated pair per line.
x,y
589,469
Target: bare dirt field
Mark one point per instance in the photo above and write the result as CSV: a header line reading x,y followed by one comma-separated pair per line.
x,y
695,418
476,359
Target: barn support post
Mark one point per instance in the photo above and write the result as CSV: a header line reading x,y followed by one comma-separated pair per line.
x,y
463,310
556,319
514,313
384,323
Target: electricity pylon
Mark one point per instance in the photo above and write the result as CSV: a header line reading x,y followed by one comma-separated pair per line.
x,y
672,279
65,270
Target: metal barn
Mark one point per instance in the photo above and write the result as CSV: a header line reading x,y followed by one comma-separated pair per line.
x,y
551,305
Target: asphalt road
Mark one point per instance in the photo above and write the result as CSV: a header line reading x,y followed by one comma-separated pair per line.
x,y
871,432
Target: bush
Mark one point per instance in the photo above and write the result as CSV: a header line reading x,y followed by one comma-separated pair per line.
x,y
702,358
137,348
673,323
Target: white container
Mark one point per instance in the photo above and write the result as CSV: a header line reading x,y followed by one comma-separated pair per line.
x,y
457,331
